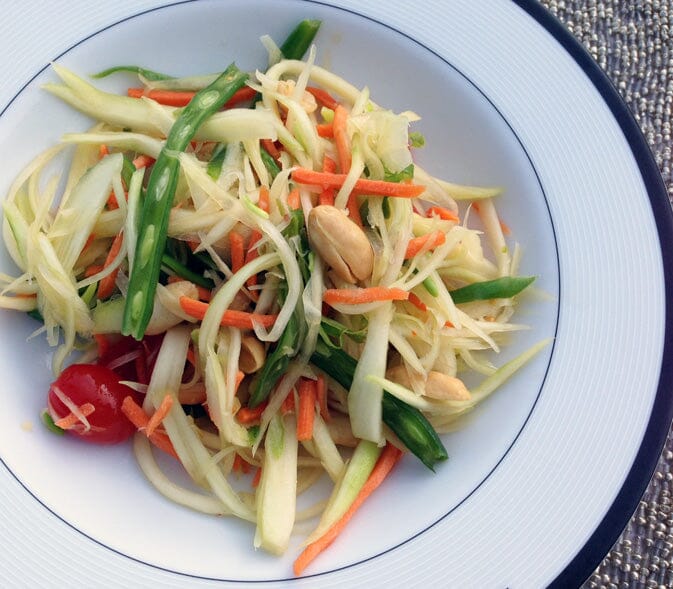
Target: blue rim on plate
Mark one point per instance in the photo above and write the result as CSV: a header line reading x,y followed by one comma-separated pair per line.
x,y
606,534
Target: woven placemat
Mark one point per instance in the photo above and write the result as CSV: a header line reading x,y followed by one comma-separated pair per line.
x,y
632,41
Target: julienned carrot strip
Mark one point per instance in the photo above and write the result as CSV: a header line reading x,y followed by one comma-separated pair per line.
x,y
328,195
230,318
354,209
167,97
341,139
158,416
306,411
71,420
362,185
237,249
270,148
357,296
417,302
328,164
424,243
240,464
325,130
248,415
183,97
293,200
251,254
288,403
321,397
442,213
103,151
263,202
241,95
93,269
106,285
143,161
139,419
323,97
257,478
389,457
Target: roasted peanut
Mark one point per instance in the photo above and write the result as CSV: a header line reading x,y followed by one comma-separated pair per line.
x,y
340,243
438,385
445,388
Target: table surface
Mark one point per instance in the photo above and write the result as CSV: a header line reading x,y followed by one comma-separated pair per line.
x,y
632,41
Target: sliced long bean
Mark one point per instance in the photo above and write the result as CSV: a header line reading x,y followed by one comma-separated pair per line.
x,y
407,422
500,288
159,199
300,39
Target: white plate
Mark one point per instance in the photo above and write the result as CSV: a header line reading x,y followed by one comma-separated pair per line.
x,y
544,476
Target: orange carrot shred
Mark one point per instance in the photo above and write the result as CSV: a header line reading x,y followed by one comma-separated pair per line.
x,y
93,269
328,164
424,243
103,151
106,285
321,396
362,185
293,200
139,419
417,302
442,213
270,148
287,405
341,138
230,318
354,209
256,479
183,97
71,420
328,195
237,247
323,97
306,411
325,130
247,415
389,457
158,416
143,161
356,296
263,202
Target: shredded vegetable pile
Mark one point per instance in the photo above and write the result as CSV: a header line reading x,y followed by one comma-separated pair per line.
x,y
275,284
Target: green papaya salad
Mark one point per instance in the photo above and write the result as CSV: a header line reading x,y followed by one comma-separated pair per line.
x,y
250,272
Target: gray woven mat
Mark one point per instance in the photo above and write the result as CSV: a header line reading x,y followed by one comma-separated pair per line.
x,y
633,42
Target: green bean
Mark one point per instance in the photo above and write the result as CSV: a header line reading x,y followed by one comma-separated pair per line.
x,y
500,288
431,287
300,39
270,164
414,430
276,362
214,168
159,199
292,337
407,422
181,270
